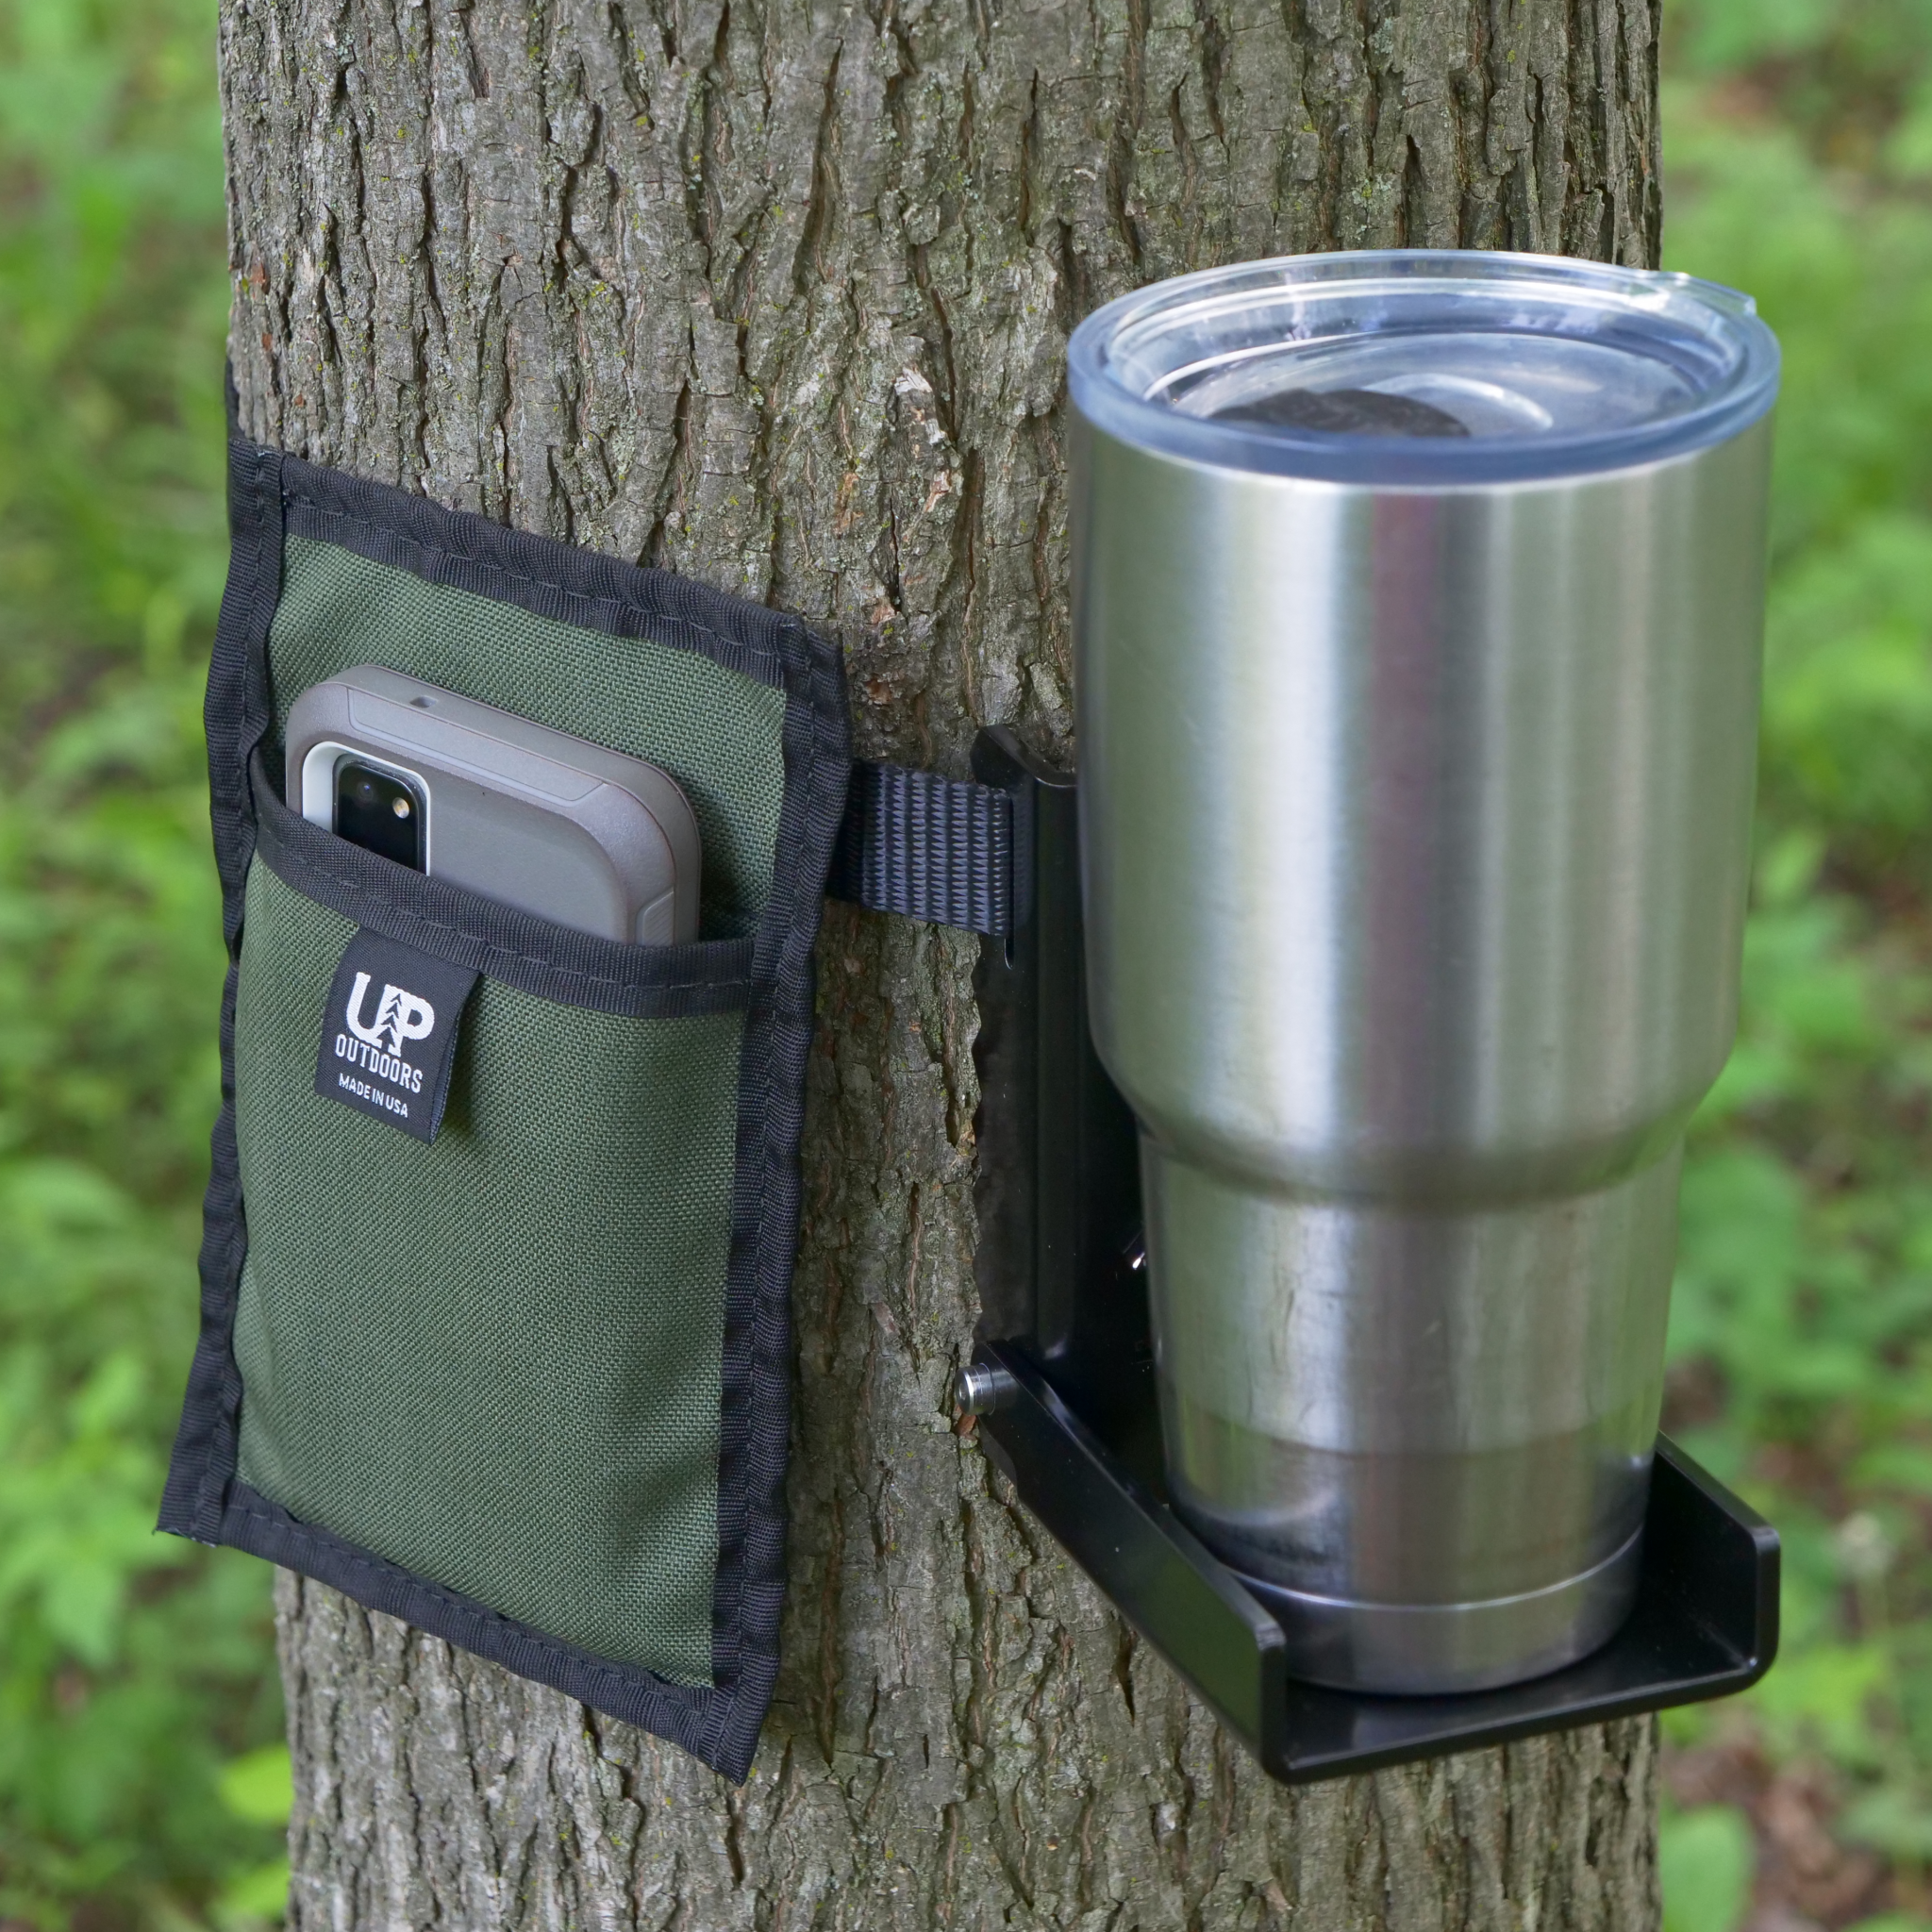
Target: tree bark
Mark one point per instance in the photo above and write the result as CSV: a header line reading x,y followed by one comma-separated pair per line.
x,y
775,293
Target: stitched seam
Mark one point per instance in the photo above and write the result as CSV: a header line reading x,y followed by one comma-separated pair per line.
x,y
735,645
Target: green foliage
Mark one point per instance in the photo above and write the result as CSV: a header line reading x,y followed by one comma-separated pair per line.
x,y
260,1787
133,1668
1850,76
1705,1859
1801,1326
1848,712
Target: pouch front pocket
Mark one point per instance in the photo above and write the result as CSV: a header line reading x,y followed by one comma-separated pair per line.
x,y
494,1358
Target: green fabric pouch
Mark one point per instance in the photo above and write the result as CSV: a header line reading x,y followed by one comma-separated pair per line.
x,y
523,1384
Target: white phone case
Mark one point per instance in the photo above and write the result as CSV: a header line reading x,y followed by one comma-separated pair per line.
x,y
531,817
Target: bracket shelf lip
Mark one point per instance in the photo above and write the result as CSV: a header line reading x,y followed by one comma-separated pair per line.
x,y
1705,1624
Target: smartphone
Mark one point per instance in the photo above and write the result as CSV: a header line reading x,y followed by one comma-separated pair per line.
x,y
481,798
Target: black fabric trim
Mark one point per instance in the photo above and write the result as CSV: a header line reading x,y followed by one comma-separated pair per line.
x,y
749,1593
536,574
272,494
928,847
236,716
537,956
252,1523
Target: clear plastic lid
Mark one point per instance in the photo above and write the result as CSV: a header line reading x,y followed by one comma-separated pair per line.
x,y
1424,366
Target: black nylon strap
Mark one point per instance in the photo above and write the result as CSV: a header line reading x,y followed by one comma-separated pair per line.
x,y
928,847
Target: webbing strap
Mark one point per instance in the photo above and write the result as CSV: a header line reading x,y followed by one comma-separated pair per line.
x,y
925,846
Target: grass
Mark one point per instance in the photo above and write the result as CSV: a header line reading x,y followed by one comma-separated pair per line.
x,y
141,1782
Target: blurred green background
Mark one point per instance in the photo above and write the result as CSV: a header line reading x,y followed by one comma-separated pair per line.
x,y
142,1783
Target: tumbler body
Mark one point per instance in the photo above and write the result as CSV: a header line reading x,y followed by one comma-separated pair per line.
x,y
1416,830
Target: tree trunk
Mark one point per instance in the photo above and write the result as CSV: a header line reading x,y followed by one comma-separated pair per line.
x,y
775,293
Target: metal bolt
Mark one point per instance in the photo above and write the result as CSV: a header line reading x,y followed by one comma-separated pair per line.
x,y
980,1387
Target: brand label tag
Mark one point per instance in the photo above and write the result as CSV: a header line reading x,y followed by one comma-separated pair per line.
x,y
389,1033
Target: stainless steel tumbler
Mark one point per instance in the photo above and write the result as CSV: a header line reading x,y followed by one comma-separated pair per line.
x,y
1418,603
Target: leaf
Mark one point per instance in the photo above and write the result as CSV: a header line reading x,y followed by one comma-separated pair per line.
x,y
1894,1818
1730,33
1906,1466
1822,1697
1706,1859
259,1787
257,1897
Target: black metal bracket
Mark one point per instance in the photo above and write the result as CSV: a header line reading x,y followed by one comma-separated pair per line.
x,y
1078,1433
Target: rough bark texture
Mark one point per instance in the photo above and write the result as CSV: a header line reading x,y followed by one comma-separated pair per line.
x,y
775,293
